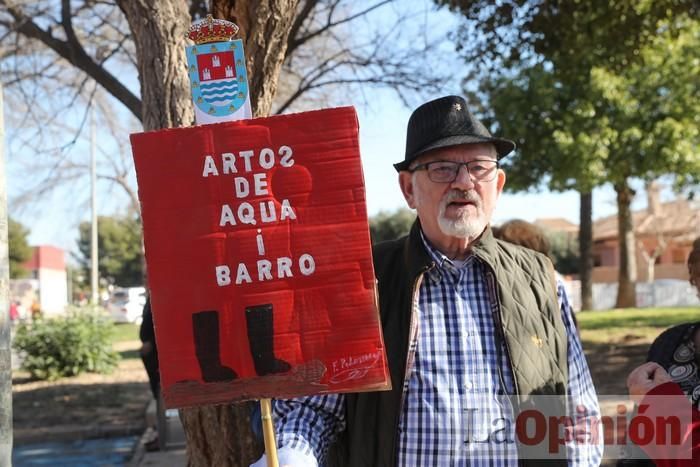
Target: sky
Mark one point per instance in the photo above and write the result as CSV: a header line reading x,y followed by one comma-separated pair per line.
x,y
54,219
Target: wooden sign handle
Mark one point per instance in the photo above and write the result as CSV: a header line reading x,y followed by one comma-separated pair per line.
x,y
269,432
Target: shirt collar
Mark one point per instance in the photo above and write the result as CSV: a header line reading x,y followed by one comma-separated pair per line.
x,y
444,264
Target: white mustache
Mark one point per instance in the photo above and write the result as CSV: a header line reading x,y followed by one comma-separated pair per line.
x,y
461,195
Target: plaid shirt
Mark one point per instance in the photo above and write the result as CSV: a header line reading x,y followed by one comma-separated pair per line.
x,y
452,393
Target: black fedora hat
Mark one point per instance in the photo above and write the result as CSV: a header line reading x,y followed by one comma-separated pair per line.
x,y
446,122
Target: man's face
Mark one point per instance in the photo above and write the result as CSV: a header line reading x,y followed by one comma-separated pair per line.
x,y
453,210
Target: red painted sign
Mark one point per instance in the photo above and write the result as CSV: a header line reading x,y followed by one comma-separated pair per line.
x,y
259,260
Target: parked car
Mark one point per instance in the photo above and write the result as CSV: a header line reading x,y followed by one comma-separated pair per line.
x,y
126,304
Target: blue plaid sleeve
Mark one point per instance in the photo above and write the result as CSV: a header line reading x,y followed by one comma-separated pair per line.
x,y
581,391
310,424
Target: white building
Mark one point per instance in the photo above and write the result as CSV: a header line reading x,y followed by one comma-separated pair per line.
x,y
48,278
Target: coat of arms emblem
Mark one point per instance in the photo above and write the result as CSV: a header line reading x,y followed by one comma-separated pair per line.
x,y
217,72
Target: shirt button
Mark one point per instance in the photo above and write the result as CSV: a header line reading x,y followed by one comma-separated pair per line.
x,y
469,386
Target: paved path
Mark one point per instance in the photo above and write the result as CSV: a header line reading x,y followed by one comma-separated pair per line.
x,y
108,452
171,458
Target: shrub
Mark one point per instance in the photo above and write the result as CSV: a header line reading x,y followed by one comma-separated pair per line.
x,y
67,345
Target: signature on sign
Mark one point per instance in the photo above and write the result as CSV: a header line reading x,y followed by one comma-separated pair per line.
x,y
353,367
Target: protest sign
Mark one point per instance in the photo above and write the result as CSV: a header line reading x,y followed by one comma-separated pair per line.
x,y
258,258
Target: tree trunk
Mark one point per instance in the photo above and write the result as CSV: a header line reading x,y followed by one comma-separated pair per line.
x,y
159,30
5,359
265,27
626,296
220,436
585,244
216,435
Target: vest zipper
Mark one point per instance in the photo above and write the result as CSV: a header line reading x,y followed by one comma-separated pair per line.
x,y
498,318
496,311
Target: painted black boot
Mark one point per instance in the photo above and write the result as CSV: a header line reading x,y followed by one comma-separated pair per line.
x,y
206,344
261,338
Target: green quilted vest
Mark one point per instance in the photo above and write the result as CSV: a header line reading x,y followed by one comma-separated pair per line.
x,y
525,287
523,293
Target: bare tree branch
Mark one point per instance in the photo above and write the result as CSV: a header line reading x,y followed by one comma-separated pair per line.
x,y
48,46
303,15
75,54
338,60
331,24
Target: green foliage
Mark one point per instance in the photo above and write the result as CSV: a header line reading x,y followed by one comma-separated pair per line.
x,y
391,225
565,252
19,248
593,92
68,345
119,250
551,127
573,35
640,121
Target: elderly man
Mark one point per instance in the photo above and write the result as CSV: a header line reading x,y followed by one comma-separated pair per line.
x,y
467,320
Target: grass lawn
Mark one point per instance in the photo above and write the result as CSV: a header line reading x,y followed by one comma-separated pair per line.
x,y
617,326
617,341
124,332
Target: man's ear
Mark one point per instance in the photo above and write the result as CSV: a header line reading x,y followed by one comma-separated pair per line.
x,y
406,184
500,181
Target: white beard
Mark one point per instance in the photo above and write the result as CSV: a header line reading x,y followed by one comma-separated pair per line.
x,y
465,226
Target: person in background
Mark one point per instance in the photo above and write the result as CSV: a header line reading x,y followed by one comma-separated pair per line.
x,y
676,348
14,311
523,233
149,356
36,310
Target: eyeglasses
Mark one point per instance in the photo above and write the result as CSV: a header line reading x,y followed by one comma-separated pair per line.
x,y
446,171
